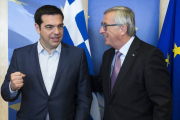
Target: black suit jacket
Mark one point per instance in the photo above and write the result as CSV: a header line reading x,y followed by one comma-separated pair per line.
x,y
70,97
142,90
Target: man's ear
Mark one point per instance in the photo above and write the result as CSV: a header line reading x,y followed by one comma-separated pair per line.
x,y
123,29
37,27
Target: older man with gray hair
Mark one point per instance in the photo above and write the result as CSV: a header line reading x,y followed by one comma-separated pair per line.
x,y
133,74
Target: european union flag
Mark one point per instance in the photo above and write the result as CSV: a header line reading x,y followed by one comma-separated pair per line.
x,y
169,43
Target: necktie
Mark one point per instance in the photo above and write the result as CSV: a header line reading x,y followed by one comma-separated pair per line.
x,y
116,68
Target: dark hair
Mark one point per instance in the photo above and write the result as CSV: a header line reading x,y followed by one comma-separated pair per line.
x,y
46,10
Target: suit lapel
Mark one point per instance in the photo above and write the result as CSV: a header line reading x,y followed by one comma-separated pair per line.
x,y
130,57
108,71
64,56
33,56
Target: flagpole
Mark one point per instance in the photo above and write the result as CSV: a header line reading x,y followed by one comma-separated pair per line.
x,y
85,7
163,9
3,53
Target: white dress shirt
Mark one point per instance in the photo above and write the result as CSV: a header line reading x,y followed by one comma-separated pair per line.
x,y
123,52
48,65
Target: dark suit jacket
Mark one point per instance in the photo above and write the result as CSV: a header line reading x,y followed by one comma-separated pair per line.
x,y
142,90
70,97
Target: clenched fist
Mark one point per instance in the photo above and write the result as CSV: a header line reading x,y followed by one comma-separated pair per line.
x,y
16,81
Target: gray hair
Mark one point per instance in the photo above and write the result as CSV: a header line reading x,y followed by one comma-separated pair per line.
x,y
124,16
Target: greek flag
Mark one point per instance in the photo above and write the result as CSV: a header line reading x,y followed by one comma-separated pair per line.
x,y
75,33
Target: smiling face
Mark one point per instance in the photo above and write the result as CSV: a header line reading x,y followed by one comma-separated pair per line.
x,y
115,36
51,31
112,33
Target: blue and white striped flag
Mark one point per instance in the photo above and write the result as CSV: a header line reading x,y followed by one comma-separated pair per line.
x,y
75,33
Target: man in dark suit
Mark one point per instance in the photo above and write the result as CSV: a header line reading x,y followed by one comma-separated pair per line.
x,y
51,76
133,75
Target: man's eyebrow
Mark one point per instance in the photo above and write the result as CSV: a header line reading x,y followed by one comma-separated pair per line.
x,y
53,25
48,25
103,23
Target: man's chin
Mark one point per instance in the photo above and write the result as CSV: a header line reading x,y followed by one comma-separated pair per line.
x,y
55,44
107,43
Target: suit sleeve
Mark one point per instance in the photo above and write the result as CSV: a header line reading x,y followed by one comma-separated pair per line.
x,y
158,85
84,93
5,91
96,82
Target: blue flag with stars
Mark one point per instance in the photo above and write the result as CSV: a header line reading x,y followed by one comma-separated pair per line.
x,y
169,43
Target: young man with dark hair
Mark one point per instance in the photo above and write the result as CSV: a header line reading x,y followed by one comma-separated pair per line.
x,y
51,76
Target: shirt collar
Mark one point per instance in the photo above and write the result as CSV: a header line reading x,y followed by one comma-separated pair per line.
x,y
126,47
41,49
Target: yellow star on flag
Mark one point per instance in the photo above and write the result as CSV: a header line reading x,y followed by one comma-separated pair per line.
x,y
15,106
18,2
167,60
176,50
62,9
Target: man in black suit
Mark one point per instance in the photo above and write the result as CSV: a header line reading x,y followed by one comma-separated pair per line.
x,y
133,75
51,76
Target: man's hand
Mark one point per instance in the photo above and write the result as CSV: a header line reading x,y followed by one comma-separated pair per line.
x,y
16,81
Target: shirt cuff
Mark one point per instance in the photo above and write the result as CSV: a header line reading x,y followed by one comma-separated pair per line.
x,y
12,93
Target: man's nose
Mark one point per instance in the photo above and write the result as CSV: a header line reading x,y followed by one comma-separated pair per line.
x,y
56,30
101,30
